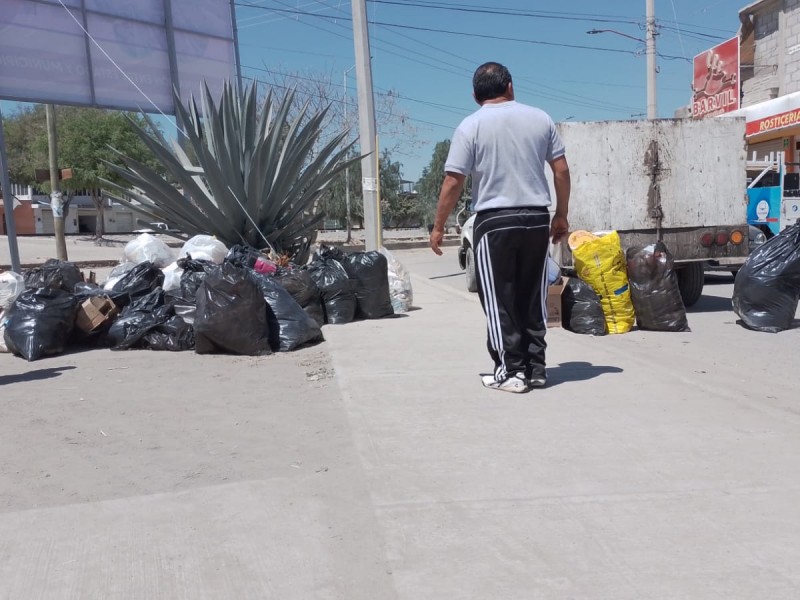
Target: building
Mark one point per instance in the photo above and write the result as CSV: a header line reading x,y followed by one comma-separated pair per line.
x,y
770,77
32,214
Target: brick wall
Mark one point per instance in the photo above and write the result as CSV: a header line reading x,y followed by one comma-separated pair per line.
x,y
791,68
770,44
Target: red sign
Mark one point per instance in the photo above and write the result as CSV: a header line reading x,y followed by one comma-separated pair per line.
x,y
786,119
716,80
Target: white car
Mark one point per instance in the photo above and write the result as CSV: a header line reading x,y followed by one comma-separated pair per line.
x,y
466,255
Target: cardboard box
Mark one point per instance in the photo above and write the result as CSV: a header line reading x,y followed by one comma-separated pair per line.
x,y
554,303
94,312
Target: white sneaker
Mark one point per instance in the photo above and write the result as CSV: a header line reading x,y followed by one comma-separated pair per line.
x,y
537,382
516,384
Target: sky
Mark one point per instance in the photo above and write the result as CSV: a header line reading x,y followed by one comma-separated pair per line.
x,y
425,51
427,55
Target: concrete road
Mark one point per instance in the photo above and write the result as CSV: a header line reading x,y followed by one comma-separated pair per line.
x,y
653,466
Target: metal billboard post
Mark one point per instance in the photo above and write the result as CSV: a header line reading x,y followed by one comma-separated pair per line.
x,y
8,201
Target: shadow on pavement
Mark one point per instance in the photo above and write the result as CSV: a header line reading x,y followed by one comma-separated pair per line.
x,y
711,304
718,278
37,375
576,371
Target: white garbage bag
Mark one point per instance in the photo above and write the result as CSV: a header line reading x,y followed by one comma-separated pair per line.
x,y
204,247
400,291
172,277
11,285
3,347
146,247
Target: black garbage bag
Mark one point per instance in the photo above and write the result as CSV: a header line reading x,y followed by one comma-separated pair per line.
x,y
55,274
40,322
185,308
174,335
654,288
337,290
140,280
87,290
194,271
581,309
137,319
370,271
243,256
329,252
299,283
231,314
289,325
767,286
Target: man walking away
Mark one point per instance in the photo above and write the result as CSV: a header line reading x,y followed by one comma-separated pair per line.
x,y
505,145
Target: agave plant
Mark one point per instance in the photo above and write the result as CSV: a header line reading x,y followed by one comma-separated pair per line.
x,y
256,177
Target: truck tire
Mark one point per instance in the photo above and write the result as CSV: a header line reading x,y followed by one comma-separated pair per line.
x,y
690,282
472,277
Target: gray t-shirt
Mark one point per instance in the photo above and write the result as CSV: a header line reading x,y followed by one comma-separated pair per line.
x,y
505,147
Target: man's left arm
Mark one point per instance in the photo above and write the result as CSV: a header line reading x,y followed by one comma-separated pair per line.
x,y
452,187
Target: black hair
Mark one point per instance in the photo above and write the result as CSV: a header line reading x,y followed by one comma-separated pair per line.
x,y
490,81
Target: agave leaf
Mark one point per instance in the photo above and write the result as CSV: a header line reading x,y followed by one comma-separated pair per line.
x,y
199,193
151,211
270,161
295,152
162,194
314,178
256,178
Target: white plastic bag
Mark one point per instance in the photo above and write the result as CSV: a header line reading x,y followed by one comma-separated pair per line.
x,y
172,277
3,347
204,247
146,247
399,284
11,285
117,273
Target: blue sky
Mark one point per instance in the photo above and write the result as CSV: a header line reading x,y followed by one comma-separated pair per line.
x,y
433,69
426,55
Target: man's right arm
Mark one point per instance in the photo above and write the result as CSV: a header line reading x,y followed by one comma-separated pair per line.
x,y
560,226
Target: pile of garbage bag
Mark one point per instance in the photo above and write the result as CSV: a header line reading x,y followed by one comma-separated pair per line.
x,y
615,290
210,300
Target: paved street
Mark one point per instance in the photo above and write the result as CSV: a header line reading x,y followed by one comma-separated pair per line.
x,y
375,466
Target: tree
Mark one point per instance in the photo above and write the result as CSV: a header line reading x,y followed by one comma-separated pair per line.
x,y
321,89
397,208
430,183
25,130
84,137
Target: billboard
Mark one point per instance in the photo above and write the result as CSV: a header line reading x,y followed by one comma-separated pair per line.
x,y
91,52
716,80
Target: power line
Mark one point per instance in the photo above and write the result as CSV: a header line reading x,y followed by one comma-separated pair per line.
x,y
561,96
332,100
507,12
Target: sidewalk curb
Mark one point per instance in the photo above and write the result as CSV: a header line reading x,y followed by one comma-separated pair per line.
x,y
389,245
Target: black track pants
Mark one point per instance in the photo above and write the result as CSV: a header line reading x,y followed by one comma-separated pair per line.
x,y
511,247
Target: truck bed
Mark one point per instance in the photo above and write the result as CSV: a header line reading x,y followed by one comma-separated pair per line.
x,y
663,174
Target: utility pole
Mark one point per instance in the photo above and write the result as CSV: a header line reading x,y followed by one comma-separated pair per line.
x,y
349,224
652,69
56,199
366,127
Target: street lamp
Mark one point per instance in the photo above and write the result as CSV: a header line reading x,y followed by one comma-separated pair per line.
x,y
349,224
650,43
595,31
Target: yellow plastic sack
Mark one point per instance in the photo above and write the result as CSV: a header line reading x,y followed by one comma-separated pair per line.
x,y
601,264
